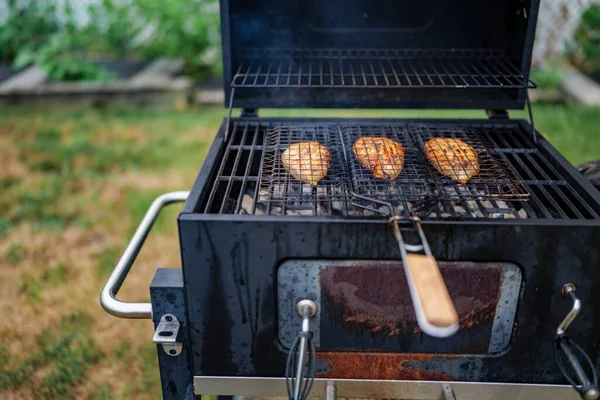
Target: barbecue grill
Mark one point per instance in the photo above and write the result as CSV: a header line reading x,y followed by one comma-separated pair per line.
x,y
413,287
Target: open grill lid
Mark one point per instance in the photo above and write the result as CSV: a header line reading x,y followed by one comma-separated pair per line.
x,y
377,53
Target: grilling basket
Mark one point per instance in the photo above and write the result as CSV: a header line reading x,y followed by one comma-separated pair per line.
x,y
377,258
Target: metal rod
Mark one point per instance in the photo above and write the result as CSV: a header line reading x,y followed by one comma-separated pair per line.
x,y
574,363
569,290
114,282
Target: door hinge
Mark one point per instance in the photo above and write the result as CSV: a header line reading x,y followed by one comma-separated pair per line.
x,y
497,114
249,112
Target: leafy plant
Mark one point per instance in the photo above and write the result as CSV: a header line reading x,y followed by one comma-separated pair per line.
x,y
183,29
62,56
547,77
114,28
584,51
27,24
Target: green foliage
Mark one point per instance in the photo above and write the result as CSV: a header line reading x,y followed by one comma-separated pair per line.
x,y
63,58
183,29
584,52
28,24
547,77
114,28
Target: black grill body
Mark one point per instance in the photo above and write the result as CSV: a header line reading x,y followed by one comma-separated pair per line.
x,y
231,262
248,257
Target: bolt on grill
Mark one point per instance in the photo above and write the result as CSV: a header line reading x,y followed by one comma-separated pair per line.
x,y
251,180
378,68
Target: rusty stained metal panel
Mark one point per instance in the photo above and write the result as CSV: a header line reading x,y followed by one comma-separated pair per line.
x,y
381,366
366,306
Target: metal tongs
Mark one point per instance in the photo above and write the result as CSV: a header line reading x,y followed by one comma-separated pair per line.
x,y
302,361
586,386
433,306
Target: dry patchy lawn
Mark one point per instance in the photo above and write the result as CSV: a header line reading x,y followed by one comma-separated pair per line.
x,y
73,186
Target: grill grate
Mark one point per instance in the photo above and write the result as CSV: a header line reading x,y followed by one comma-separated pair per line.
x,y
236,189
414,181
280,189
495,179
379,68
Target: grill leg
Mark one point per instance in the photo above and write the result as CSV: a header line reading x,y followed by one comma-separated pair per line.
x,y
167,297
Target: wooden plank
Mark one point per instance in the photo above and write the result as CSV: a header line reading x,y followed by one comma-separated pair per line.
x,y
581,88
25,80
160,71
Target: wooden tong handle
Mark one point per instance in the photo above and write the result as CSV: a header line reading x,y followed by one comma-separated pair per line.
x,y
435,299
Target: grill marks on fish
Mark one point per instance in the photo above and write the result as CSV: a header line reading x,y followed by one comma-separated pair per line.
x,y
307,161
382,156
452,158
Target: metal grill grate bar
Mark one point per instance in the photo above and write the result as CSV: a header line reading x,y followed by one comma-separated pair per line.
x,y
354,68
250,178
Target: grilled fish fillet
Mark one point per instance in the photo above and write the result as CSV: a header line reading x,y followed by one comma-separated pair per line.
x,y
452,158
382,156
306,161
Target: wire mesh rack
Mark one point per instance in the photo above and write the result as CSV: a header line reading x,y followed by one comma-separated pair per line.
x,y
378,68
465,165
303,169
384,164
237,183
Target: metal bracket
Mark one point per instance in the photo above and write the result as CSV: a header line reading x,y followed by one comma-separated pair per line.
x,y
249,113
497,114
229,109
166,335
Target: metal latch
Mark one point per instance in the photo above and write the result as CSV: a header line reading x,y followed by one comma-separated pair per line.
x,y
166,334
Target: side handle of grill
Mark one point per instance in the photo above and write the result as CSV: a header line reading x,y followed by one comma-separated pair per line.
x,y
114,282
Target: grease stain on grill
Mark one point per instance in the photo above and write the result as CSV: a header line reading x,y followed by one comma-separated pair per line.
x,y
380,366
377,296
367,305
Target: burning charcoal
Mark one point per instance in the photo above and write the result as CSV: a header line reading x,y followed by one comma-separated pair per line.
x,y
460,210
523,214
472,205
487,204
299,212
337,206
278,191
263,195
307,190
247,203
275,210
321,191
502,204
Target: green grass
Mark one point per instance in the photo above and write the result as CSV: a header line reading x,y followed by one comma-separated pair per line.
x,y
55,276
15,254
71,157
64,353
